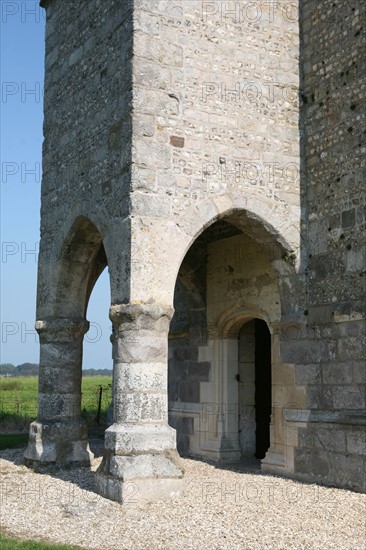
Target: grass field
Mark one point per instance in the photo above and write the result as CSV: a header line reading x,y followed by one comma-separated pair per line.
x,y
18,401
7,543
11,441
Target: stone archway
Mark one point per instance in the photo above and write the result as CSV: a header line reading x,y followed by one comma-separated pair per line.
x,y
234,282
59,435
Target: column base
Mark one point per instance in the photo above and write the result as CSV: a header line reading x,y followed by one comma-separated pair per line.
x,y
135,480
140,465
227,451
274,461
58,443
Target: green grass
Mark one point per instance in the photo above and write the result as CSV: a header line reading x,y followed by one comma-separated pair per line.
x,y
11,441
7,543
18,401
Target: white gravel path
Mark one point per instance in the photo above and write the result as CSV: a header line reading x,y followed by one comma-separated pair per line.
x,y
221,509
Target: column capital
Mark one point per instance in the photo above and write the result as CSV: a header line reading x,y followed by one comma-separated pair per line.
x,y
62,330
149,317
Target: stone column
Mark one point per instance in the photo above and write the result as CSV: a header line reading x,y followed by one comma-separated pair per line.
x,y
140,462
59,435
228,422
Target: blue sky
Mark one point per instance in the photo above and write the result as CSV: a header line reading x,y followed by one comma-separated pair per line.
x,y
22,66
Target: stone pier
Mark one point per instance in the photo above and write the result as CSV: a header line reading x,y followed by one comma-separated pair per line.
x,y
59,435
140,461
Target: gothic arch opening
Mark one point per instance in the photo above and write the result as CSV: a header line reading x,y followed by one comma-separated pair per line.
x,y
226,286
83,291
83,259
62,326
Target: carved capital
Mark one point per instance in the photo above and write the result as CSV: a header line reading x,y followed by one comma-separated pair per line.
x,y
61,330
141,317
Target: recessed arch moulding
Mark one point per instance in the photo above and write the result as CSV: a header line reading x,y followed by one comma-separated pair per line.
x,y
262,281
152,236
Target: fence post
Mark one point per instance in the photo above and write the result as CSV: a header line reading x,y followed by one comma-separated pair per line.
x,y
99,404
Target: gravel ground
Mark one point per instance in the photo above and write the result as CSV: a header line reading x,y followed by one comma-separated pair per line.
x,y
221,509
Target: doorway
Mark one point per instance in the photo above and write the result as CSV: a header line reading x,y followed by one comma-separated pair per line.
x,y
254,379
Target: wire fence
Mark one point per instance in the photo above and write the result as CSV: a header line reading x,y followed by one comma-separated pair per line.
x,y
19,407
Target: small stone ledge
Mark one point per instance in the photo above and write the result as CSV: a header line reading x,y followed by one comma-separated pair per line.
x,y
352,418
62,330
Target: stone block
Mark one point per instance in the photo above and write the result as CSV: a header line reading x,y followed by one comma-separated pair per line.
x,y
359,372
284,375
314,463
134,439
137,492
308,374
330,439
189,391
349,397
320,314
351,348
347,471
306,437
356,442
141,406
304,352
199,371
62,443
335,373
356,260
140,376
320,397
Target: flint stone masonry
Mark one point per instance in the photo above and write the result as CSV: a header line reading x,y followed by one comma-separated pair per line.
x,y
333,122
214,163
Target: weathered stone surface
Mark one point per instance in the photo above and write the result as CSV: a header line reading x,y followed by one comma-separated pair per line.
x,y
313,463
62,443
356,442
175,160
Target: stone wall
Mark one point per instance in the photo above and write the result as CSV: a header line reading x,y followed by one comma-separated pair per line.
x,y
87,146
215,127
162,118
168,139
333,121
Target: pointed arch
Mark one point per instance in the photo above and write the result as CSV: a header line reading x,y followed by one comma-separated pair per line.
x,y
82,260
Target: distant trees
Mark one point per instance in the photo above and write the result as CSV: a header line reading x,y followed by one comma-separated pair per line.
x,y
96,372
7,369
31,369
27,369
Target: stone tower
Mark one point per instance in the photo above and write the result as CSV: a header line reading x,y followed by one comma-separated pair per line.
x,y
173,156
